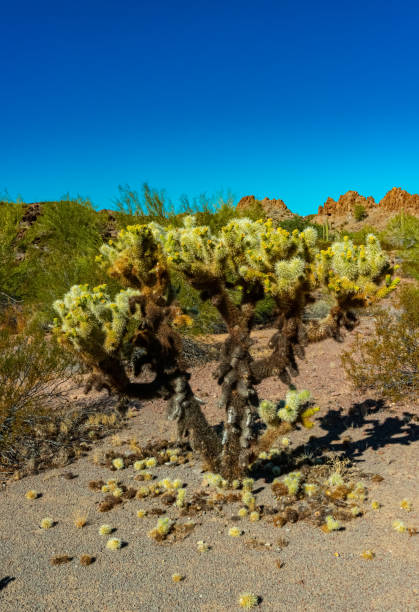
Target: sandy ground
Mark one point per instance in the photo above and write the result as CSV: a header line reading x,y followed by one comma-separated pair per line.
x,y
319,571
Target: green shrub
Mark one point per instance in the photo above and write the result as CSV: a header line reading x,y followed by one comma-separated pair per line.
x,y
300,224
12,271
153,205
401,232
205,317
265,311
360,212
132,208
410,265
387,362
360,235
409,302
33,371
60,249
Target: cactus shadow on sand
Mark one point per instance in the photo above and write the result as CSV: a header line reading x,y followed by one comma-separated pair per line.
x,y
5,581
378,434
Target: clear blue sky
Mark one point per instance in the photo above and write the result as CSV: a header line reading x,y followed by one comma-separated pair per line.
x,y
288,99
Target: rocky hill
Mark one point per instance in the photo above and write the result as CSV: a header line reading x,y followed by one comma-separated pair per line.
x,y
276,209
341,213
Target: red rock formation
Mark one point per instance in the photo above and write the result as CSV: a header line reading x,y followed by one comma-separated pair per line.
x,y
246,201
274,208
398,199
346,204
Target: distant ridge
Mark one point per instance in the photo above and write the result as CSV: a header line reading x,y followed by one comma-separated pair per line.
x,y
342,212
337,213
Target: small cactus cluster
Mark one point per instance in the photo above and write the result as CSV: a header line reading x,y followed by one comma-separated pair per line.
x,y
118,463
248,500
180,498
310,489
358,492
235,532
170,485
215,480
293,482
352,272
335,479
114,544
162,529
294,408
31,494
399,526
332,524
91,322
177,577
150,462
369,555
248,601
405,504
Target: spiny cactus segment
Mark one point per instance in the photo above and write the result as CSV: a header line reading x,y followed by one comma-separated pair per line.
x,y
294,408
91,322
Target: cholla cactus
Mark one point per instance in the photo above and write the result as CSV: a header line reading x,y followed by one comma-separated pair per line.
x,y
293,481
310,489
234,269
268,412
248,600
91,322
351,272
294,408
134,257
332,524
291,408
254,253
180,498
335,479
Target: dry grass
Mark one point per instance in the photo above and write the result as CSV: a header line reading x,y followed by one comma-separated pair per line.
x,y
80,518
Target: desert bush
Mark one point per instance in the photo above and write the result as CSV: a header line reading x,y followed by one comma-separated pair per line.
x,y
40,425
360,212
205,318
12,271
152,205
60,250
387,362
401,232
360,235
69,224
300,224
265,311
33,372
121,335
409,302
